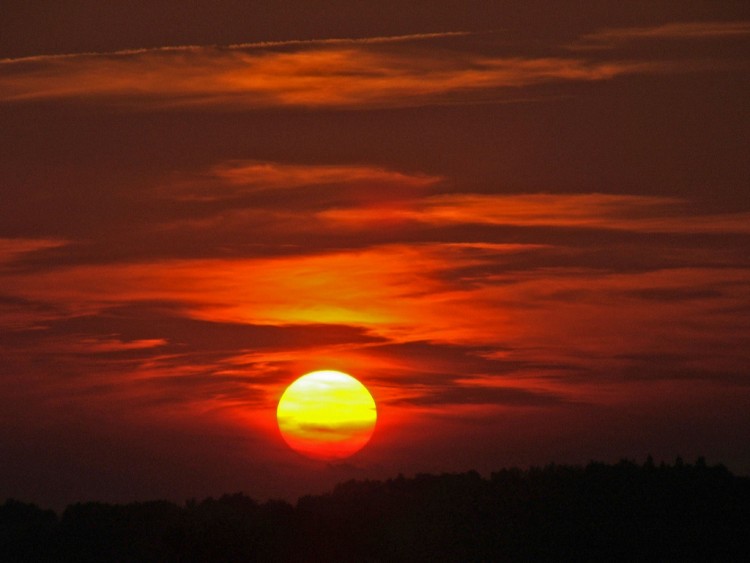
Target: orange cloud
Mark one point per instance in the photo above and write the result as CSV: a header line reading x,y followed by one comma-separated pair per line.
x,y
382,288
366,199
598,211
399,292
535,336
339,74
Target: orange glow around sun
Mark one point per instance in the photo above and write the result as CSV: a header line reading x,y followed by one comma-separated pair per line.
x,y
326,415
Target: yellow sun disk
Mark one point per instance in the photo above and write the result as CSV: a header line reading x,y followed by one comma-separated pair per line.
x,y
326,414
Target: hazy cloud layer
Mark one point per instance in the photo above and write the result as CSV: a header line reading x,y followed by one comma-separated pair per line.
x,y
253,313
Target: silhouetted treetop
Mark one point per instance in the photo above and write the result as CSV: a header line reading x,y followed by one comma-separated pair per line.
x,y
621,511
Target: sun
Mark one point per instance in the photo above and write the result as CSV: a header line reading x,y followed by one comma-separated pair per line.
x,y
326,415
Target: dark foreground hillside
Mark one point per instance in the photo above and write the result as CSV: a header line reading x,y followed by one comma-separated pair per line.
x,y
599,512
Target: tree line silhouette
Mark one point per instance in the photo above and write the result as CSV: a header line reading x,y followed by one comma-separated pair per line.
x,y
623,511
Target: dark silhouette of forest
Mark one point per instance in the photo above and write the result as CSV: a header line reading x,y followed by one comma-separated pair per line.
x,y
599,512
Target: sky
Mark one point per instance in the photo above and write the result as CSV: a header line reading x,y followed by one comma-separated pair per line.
x,y
524,226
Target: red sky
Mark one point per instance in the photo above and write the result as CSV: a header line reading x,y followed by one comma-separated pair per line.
x,y
525,229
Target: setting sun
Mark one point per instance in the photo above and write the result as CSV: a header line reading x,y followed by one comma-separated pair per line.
x,y
326,415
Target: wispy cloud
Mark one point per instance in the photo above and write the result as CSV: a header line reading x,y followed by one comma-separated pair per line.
x,y
407,38
14,248
595,211
368,72
114,345
235,178
338,74
611,37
